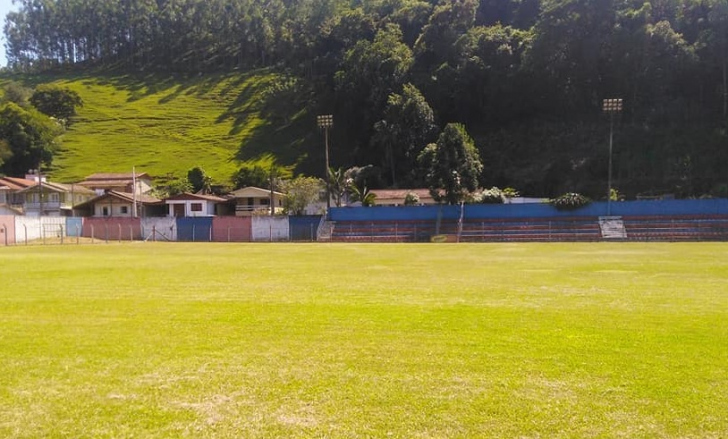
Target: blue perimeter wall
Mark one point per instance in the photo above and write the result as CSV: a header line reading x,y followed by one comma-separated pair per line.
x,y
514,211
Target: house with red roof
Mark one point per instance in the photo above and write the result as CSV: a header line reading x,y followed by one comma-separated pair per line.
x,y
53,199
121,204
11,202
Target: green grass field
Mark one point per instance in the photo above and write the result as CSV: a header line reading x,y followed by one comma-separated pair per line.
x,y
353,341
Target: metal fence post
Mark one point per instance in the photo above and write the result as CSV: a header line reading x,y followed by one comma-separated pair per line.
x,y
5,233
549,230
25,226
119,232
78,234
131,232
228,231
62,234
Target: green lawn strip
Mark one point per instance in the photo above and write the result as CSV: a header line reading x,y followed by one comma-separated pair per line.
x,y
195,340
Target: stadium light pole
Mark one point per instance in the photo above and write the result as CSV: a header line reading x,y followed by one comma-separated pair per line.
x,y
325,122
611,106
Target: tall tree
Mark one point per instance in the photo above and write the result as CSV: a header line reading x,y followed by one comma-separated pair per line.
x,y
408,126
452,164
370,72
56,101
30,137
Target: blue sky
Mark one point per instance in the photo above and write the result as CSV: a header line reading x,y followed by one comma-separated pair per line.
x,y
5,7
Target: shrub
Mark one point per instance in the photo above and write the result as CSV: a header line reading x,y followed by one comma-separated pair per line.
x,y
411,199
489,196
569,201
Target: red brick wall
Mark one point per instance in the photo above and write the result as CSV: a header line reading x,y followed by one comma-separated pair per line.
x,y
7,230
231,228
112,229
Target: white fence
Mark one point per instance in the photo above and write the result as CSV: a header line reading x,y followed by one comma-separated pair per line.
x,y
29,228
159,229
266,228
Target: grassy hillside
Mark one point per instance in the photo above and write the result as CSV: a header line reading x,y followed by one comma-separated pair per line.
x,y
165,125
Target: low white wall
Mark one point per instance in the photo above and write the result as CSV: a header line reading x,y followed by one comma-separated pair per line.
x,y
267,228
34,227
159,229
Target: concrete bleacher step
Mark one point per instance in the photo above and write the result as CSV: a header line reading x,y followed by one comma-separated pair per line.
x,y
612,227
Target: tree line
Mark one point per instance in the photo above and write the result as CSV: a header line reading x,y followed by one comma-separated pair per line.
x,y
526,78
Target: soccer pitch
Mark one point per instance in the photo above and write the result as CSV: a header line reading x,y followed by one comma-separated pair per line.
x,y
364,340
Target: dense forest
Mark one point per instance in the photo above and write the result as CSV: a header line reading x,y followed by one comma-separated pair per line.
x,y
526,78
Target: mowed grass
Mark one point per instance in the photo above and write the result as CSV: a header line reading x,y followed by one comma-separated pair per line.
x,y
411,341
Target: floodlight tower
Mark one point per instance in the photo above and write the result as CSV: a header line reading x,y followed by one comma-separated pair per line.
x,y
325,122
611,106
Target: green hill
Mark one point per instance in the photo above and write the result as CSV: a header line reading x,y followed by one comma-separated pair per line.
x,y
166,125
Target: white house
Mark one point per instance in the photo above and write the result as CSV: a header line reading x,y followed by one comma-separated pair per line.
x,y
191,205
254,200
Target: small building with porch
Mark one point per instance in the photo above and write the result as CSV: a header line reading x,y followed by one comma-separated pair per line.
x,y
11,201
45,198
253,200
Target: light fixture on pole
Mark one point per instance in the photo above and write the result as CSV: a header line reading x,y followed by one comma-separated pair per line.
x,y
325,122
611,106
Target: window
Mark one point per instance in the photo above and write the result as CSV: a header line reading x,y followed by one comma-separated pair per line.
x,y
53,197
105,211
124,210
196,207
264,201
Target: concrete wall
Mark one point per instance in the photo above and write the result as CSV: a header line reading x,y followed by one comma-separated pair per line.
x,y
74,226
266,228
112,229
7,230
34,228
159,229
194,229
231,229
509,211
303,228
